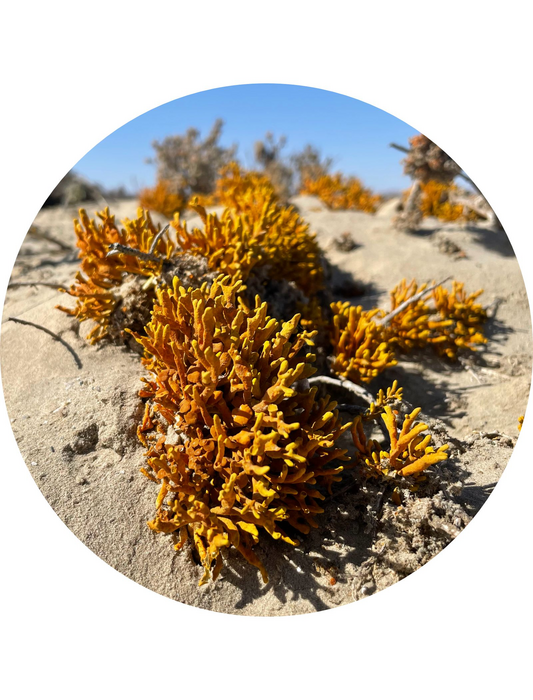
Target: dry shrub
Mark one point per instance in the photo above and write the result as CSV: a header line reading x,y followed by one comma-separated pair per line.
x,y
310,165
267,154
436,199
426,161
190,166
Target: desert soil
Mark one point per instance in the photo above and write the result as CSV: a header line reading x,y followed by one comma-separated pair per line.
x,y
75,419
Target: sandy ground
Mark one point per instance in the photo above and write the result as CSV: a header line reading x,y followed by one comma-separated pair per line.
x,y
75,425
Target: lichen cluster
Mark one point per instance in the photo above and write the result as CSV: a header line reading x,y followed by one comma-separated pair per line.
x,y
360,351
409,452
162,199
339,192
240,190
437,200
255,448
257,232
100,284
238,441
365,343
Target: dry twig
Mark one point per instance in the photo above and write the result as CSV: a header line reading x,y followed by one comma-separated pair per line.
x,y
388,318
51,333
344,384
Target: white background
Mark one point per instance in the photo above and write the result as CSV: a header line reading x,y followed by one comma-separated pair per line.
x,y
74,72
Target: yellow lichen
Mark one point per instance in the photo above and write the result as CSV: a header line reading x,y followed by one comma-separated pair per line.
x,y
251,236
98,282
359,349
256,450
364,343
162,198
240,190
339,192
436,199
454,322
409,453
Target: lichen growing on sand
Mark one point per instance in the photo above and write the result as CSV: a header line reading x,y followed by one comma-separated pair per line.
x,y
256,450
101,285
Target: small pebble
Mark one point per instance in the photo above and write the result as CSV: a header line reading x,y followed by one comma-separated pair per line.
x,y
34,464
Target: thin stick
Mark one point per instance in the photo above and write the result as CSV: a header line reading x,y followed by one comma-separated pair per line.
x,y
388,318
115,248
157,239
348,487
351,407
400,148
54,336
344,384
13,285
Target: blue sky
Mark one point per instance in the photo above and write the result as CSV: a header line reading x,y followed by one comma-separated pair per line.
x,y
355,134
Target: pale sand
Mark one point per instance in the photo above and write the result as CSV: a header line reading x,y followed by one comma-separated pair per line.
x,y
76,427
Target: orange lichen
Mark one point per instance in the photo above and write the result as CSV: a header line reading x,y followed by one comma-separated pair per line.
x,y
252,236
229,243
364,343
360,351
97,286
339,192
240,190
454,322
436,199
256,450
467,318
410,452
162,198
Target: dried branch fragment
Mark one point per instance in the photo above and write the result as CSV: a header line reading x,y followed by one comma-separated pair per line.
x,y
257,451
52,334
